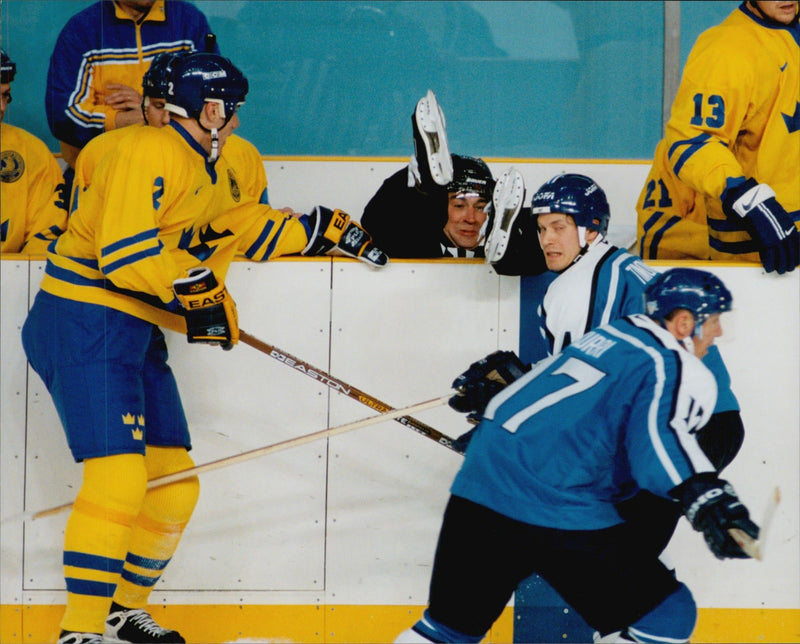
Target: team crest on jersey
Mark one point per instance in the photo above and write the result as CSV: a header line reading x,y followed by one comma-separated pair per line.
x,y
206,235
12,166
235,192
136,424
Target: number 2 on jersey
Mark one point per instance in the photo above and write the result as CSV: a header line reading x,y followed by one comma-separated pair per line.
x,y
584,376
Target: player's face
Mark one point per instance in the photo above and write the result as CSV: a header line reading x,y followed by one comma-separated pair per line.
x,y
155,113
783,12
710,331
5,98
466,215
558,237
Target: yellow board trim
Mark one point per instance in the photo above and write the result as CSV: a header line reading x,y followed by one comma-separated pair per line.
x,y
213,624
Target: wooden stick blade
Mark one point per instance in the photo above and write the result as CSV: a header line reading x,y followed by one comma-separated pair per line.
x,y
752,547
755,547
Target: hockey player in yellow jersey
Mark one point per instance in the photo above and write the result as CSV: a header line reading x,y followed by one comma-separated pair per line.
x,y
671,215
149,245
239,153
734,137
33,209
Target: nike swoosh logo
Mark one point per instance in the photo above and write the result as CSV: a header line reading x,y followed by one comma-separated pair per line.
x,y
748,205
790,231
785,65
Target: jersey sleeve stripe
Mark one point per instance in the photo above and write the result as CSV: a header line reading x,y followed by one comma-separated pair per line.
x,y
146,235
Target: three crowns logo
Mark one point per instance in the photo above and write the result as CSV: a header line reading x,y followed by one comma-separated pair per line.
x,y
138,425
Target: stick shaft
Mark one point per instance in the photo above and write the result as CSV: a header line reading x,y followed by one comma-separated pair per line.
x,y
348,390
269,449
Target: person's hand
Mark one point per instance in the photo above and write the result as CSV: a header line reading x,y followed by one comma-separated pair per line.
x,y
209,310
767,222
712,507
483,380
122,97
334,230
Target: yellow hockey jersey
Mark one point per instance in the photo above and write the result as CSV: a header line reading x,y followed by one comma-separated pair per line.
x,y
238,152
737,114
245,157
90,156
671,216
154,209
33,209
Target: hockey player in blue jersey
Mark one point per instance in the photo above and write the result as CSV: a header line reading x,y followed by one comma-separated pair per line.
x,y
596,283
616,412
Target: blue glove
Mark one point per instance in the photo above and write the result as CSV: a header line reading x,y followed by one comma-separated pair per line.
x,y
483,380
712,507
766,221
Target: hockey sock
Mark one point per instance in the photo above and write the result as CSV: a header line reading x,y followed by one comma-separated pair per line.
x,y
97,535
158,528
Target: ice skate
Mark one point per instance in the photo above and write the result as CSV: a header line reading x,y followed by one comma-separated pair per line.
x,y
430,142
507,199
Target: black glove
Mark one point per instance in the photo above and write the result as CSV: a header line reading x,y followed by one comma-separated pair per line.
x,y
712,507
334,230
483,380
209,310
768,223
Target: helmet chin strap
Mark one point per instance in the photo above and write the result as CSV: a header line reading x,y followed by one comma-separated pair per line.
x,y
582,242
214,145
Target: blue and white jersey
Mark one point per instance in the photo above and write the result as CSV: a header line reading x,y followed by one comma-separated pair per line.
x,y
615,412
605,284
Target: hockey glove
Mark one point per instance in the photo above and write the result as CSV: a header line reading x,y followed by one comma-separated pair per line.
x,y
335,230
766,221
712,507
483,380
209,310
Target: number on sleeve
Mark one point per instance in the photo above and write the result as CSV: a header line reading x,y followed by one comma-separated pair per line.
x,y
717,105
664,200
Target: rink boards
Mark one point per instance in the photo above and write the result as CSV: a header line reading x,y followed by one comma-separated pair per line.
x,y
333,541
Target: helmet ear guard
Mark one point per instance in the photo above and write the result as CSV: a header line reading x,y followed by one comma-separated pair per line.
x,y
701,293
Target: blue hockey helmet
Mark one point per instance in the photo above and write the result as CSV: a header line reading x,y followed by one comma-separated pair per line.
x,y
203,77
575,195
471,175
700,292
155,82
8,68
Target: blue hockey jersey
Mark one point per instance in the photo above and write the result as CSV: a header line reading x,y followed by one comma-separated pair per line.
x,y
615,412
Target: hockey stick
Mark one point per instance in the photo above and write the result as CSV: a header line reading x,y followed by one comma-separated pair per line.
x,y
262,451
755,547
348,390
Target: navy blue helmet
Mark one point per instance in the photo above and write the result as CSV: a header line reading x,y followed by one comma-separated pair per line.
x,y
575,195
698,291
8,68
155,82
202,77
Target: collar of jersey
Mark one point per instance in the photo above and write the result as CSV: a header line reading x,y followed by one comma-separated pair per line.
x,y
210,166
